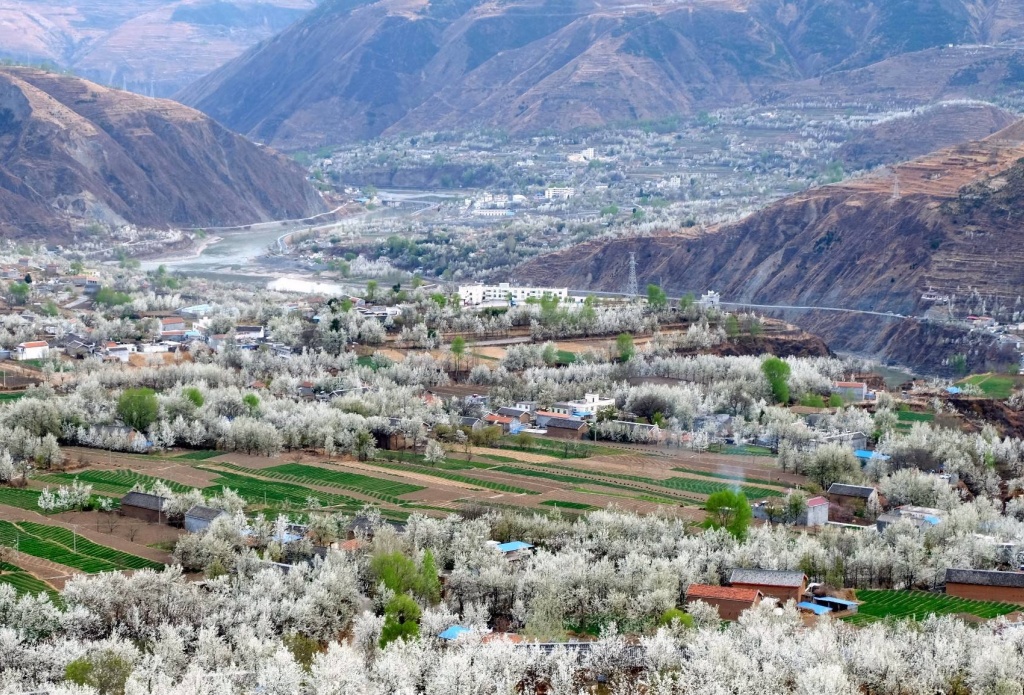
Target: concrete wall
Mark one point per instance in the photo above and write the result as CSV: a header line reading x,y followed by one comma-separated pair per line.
x,y
985,593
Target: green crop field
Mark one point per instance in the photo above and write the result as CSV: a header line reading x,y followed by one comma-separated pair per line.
x,y
341,479
115,482
707,487
10,397
61,546
910,416
725,476
20,497
199,455
920,604
274,493
993,385
562,504
25,583
456,477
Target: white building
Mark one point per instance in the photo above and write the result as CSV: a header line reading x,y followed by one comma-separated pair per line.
x,y
503,292
559,193
33,350
709,299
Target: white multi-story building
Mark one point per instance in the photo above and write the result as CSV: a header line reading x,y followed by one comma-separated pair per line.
x,y
556,193
709,299
504,292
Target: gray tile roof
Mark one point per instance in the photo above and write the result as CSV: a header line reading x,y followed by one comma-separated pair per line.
x,y
512,412
985,578
204,513
851,490
767,577
143,500
562,423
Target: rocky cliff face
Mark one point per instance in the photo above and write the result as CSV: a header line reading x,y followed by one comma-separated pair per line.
x,y
360,68
72,152
951,230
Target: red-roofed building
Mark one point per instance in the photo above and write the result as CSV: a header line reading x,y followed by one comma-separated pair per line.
x,y
851,390
33,350
817,512
495,419
729,600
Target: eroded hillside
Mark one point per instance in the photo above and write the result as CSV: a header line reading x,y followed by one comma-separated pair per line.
x,y
72,152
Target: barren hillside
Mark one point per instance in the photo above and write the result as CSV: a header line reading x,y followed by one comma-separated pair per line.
x,y
352,70
72,151
944,222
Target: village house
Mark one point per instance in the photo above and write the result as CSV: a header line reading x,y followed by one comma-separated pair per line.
x,y
171,323
32,350
199,518
523,416
144,506
566,428
985,585
855,497
851,391
503,420
780,584
730,601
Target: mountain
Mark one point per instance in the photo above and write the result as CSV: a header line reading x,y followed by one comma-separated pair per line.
x,y
946,223
154,47
355,69
72,152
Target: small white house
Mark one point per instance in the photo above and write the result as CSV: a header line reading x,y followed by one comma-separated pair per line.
x,y
33,350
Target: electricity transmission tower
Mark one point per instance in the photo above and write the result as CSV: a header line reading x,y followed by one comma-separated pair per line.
x,y
632,287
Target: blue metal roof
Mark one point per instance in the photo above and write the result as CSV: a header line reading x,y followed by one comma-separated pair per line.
x,y
453,632
814,608
840,601
954,390
865,454
513,546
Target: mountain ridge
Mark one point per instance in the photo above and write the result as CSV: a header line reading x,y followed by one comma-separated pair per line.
x,y
355,70
73,152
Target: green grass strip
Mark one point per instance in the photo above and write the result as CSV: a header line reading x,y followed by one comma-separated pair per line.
x,y
455,477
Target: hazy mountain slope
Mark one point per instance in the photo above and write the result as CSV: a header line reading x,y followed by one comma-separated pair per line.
x,y
151,46
72,151
352,70
852,245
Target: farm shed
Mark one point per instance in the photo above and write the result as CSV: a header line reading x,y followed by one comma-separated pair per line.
x,y
565,428
144,506
837,604
985,585
856,496
199,518
780,584
453,633
729,600
815,608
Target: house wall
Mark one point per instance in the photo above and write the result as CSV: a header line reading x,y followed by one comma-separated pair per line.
x,y
36,353
143,514
727,609
565,434
985,593
817,516
782,593
193,525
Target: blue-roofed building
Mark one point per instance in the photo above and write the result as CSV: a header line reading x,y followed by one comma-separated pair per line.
x,y
813,608
453,632
865,455
954,390
837,604
513,547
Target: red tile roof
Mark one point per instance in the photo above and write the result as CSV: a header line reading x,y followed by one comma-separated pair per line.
x,y
34,344
851,384
816,501
724,593
503,419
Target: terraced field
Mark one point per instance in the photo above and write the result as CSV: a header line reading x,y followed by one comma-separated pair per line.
x,y
20,498
918,605
465,479
562,504
115,482
62,546
273,493
25,583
